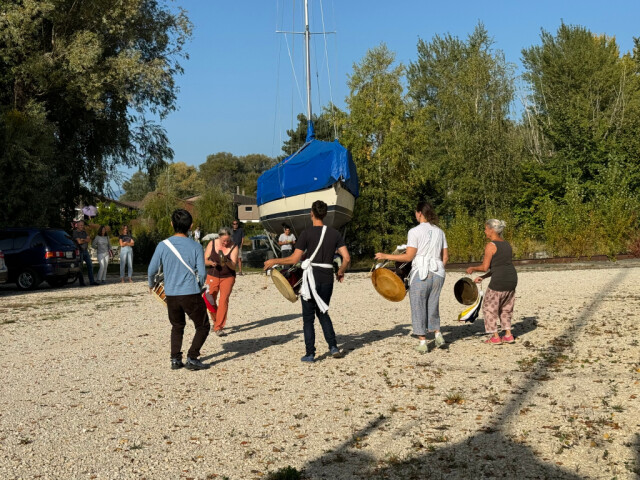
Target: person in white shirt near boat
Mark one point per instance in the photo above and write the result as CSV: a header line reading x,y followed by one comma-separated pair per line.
x,y
286,241
320,243
428,253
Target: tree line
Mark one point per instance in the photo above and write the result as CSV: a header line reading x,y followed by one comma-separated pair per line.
x,y
553,151
562,169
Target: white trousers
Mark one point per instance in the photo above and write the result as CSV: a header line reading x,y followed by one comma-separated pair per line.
x,y
103,260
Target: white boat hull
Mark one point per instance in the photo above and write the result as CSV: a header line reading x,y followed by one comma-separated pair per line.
x,y
294,211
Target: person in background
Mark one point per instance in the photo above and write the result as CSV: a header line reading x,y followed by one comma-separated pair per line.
x,y
182,289
428,253
320,243
82,239
126,253
286,241
237,236
196,234
221,256
102,245
500,296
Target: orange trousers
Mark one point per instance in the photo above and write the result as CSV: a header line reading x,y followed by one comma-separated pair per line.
x,y
223,286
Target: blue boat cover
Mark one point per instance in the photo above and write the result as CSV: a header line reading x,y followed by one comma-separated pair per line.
x,y
315,166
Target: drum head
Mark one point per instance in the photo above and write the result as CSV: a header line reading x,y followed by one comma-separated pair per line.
x,y
388,284
283,286
466,291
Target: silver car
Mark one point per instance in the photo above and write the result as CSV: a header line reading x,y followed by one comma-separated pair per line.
x,y
4,271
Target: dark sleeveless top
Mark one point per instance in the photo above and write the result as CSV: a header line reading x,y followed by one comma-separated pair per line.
x,y
503,274
220,271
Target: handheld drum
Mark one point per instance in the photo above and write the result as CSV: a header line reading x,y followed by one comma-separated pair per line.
x,y
467,293
158,288
392,284
288,281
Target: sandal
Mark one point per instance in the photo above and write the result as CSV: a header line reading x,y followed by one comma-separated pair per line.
x,y
508,339
493,341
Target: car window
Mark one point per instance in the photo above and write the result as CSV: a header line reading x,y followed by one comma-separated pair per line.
x,y
20,239
59,237
260,244
6,241
37,241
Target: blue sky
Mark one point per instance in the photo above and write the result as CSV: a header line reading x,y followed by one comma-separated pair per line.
x,y
236,93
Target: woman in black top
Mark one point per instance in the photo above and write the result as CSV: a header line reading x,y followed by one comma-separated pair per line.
x,y
499,297
221,256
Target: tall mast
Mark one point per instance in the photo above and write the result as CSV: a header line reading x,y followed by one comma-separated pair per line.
x,y
307,37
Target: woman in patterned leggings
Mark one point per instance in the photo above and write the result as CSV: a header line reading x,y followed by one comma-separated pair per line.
x,y
500,295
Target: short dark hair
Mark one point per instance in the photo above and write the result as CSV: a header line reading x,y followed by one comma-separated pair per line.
x,y
319,209
181,220
427,212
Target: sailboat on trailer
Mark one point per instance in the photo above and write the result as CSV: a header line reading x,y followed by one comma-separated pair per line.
x,y
319,170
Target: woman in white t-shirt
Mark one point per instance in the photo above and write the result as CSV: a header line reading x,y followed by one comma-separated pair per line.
x,y
428,253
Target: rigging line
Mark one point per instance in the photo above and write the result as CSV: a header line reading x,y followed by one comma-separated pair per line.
x,y
319,100
291,59
295,77
277,106
326,56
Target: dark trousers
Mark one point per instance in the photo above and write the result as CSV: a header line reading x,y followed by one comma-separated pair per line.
x,y
192,305
86,257
309,311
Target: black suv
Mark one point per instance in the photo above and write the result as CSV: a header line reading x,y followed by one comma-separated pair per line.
x,y
36,254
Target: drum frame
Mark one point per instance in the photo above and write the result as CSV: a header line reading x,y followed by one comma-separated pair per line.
x,y
282,282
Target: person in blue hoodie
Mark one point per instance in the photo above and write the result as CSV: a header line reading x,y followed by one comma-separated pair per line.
x,y
182,289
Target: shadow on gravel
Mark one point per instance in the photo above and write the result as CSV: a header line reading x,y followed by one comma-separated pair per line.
x,y
240,348
487,453
264,322
360,340
453,333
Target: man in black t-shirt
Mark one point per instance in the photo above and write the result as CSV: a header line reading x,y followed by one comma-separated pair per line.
x,y
317,278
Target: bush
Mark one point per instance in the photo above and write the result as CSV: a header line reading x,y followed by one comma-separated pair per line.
x,y
465,237
634,246
146,242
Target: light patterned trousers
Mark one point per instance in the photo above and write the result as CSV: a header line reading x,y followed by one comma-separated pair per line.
x,y
498,306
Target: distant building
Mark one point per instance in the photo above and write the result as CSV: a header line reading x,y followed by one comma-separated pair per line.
x,y
245,207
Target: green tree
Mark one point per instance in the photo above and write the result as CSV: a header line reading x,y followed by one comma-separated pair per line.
x,y
467,149
179,180
137,187
323,125
376,134
113,216
26,184
585,100
97,71
227,171
213,210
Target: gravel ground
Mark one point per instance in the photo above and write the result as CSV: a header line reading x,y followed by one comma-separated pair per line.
x,y
87,390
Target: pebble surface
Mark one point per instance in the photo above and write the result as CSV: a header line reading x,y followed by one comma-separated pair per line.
x,y
87,391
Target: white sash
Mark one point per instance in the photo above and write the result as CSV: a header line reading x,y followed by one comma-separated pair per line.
x,y
308,281
177,254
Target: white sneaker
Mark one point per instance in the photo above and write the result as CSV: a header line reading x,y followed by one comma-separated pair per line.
x,y
440,340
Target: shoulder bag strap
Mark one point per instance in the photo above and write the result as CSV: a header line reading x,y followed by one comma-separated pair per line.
x,y
177,254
